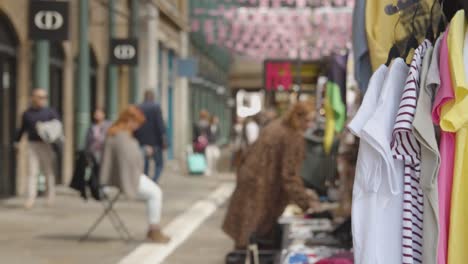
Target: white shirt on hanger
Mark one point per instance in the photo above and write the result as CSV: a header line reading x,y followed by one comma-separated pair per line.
x,y
365,187
377,194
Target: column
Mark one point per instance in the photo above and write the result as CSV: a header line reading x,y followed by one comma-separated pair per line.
x,y
185,103
24,75
83,91
42,65
112,89
134,33
170,104
148,57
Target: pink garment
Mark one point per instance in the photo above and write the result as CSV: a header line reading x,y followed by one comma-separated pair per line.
x,y
444,95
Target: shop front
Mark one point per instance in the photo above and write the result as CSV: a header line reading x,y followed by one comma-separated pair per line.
x,y
8,44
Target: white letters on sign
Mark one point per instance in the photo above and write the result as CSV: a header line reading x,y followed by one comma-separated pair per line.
x,y
48,20
124,52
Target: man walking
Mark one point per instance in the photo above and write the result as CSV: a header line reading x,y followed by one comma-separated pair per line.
x,y
152,134
41,157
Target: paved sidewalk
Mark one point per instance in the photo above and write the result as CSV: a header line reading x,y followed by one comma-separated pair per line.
x,y
207,245
50,235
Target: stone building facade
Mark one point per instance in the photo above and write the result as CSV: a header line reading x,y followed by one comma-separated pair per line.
x,y
162,27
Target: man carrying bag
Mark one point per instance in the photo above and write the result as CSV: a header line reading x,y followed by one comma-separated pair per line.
x,y
43,128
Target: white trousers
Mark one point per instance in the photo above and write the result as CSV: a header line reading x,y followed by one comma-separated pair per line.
x,y
41,159
212,154
149,191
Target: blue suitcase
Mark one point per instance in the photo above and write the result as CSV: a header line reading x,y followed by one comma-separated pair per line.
x,y
196,163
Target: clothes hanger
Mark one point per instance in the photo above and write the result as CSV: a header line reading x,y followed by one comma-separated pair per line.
x,y
401,5
412,43
451,7
464,5
405,4
442,21
394,51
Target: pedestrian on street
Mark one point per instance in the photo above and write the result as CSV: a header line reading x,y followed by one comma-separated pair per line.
x,y
201,132
41,156
268,115
152,135
122,167
213,152
237,143
97,134
269,179
252,129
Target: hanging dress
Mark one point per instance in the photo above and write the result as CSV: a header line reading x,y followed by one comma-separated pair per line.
x,y
377,208
424,131
443,101
456,121
366,186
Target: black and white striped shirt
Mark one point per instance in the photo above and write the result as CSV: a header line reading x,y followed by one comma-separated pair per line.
x,y
406,149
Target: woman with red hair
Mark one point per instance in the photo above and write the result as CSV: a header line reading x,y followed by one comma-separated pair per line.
x,y
122,167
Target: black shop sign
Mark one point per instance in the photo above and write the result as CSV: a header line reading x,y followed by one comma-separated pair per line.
x,y
48,20
124,51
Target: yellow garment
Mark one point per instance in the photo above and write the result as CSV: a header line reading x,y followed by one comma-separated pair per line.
x,y
380,28
455,121
330,124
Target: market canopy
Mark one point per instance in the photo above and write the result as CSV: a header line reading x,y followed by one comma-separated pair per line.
x,y
275,29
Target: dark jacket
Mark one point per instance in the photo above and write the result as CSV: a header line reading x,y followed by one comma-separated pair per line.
x,y
80,182
153,131
30,119
201,128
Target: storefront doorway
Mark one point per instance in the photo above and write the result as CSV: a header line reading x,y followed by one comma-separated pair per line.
x,y
57,65
8,44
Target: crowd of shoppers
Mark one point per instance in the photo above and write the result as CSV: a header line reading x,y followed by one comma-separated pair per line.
x,y
267,177
206,136
120,153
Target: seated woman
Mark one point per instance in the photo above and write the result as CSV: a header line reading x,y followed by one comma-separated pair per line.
x,y
122,167
268,179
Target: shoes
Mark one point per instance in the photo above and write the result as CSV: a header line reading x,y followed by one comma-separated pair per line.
x,y
156,236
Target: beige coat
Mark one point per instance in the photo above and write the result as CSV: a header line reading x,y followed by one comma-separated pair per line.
x,y
267,181
122,163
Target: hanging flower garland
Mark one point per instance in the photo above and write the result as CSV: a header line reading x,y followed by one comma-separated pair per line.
x,y
285,29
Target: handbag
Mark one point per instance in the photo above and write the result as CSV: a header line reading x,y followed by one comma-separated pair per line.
x,y
200,144
50,131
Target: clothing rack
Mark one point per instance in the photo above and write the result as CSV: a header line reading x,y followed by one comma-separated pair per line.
x,y
401,5
451,7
